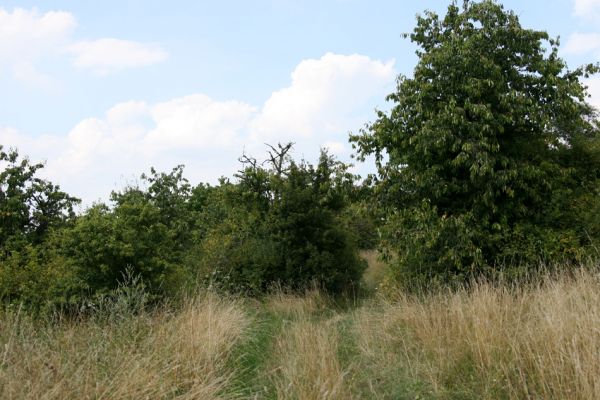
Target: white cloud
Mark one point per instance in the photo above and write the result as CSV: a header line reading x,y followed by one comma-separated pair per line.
x,y
582,43
26,36
29,37
327,98
102,154
588,9
37,148
8,135
107,55
197,122
123,113
324,95
135,134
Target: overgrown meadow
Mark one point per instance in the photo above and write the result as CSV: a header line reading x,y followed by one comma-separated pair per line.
x,y
487,341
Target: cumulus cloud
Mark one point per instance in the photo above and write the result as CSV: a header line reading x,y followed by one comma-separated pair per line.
x,y
28,37
26,34
103,153
323,96
327,98
38,148
587,9
134,135
104,56
197,122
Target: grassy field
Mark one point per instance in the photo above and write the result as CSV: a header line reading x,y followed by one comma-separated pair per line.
x,y
487,342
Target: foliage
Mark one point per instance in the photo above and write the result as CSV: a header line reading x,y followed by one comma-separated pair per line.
x,y
485,148
360,221
489,158
148,232
38,277
283,225
31,209
280,224
29,205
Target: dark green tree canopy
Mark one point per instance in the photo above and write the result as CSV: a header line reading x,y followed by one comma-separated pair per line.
x,y
29,205
283,223
485,144
149,231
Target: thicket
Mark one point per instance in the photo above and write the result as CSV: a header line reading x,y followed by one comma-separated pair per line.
x,y
284,224
278,223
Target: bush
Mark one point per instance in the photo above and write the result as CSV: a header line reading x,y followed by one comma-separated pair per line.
x,y
32,210
284,225
360,222
148,232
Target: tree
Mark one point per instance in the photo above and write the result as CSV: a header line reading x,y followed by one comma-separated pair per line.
x,y
282,223
485,148
29,205
31,210
148,232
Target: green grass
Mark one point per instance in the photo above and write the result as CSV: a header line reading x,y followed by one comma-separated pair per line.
x,y
251,356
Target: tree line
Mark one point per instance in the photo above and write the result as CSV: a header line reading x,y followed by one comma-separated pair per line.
x,y
487,163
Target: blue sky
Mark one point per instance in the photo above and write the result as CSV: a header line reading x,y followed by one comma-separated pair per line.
x,y
103,90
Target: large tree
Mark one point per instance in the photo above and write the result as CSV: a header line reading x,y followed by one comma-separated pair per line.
x,y
490,154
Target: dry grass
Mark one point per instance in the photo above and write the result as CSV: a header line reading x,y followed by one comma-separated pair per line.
x,y
135,357
486,342
305,362
492,342
289,304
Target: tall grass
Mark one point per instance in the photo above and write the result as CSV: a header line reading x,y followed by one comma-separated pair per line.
x,y
490,341
487,341
304,354
305,362
153,356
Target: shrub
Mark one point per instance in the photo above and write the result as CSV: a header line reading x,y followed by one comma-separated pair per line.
x,y
149,231
284,225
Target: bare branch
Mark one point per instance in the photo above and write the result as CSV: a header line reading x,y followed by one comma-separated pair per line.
x,y
278,156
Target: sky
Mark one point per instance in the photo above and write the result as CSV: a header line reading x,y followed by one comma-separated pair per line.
x,y
102,91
